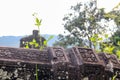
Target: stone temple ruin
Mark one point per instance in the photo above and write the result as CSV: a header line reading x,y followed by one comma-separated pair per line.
x,y
57,63
24,41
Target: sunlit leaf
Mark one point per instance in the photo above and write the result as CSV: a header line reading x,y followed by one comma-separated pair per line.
x,y
92,39
38,22
118,53
31,43
51,37
108,15
100,39
34,41
118,43
109,49
114,77
96,35
36,45
45,43
27,47
106,35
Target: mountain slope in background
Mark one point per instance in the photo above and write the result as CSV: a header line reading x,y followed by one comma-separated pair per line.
x,y
14,41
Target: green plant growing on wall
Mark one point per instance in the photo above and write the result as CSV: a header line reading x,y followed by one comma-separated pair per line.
x,y
114,77
37,21
34,42
38,24
37,42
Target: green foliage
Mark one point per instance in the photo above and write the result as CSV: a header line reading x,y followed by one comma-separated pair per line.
x,y
27,45
51,37
106,35
109,15
95,39
68,41
46,41
112,46
117,6
83,25
36,68
84,28
114,15
35,44
114,77
118,53
109,49
38,22
116,42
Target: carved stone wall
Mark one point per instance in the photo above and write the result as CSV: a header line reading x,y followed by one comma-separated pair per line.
x,y
56,63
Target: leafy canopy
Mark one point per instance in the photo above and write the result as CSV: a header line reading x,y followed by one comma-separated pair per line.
x,y
82,25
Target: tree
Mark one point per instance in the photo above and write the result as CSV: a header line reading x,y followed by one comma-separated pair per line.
x,y
113,45
82,24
